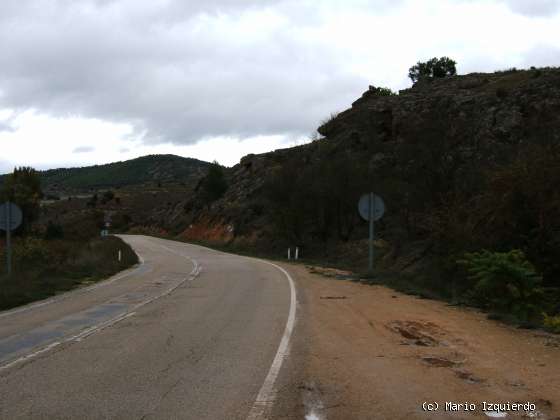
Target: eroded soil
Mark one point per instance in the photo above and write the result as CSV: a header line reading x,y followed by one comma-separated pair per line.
x,y
378,354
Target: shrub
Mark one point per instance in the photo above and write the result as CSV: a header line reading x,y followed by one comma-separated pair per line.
x,y
107,196
214,184
432,69
23,187
552,323
30,252
381,91
501,93
92,202
504,281
54,231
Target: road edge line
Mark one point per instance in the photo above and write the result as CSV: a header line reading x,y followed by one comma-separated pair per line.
x,y
267,395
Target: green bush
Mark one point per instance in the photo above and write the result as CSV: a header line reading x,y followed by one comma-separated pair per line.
x,y
30,252
381,91
107,196
504,282
552,323
432,69
42,268
53,231
214,184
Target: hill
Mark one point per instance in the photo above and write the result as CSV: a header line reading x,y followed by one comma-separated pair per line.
x,y
463,163
152,168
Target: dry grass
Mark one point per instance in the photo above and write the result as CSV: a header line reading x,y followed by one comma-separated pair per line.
x,y
45,268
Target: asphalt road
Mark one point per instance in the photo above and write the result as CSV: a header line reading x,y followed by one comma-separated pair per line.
x,y
191,333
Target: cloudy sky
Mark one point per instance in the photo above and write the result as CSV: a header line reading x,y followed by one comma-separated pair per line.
x,y
95,81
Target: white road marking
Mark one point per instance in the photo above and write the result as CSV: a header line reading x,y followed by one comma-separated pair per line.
x,y
101,326
265,398
66,295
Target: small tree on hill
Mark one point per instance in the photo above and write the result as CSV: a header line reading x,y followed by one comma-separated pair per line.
x,y
23,187
214,184
432,69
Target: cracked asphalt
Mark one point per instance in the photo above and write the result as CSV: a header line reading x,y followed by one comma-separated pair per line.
x,y
200,350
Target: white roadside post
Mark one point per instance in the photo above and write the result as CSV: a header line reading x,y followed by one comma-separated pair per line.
x,y
289,253
120,255
297,252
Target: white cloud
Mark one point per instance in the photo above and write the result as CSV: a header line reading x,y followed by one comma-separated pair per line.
x,y
128,76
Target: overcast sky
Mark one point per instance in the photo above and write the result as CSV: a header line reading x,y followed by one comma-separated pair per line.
x,y
94,81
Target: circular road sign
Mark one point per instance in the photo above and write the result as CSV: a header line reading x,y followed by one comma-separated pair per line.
x,y
378,207
15,214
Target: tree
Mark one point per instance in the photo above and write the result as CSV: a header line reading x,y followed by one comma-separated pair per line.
x,y
432,69
107,196
23,187
214,184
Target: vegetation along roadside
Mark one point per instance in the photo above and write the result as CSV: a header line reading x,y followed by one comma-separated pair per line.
x,y
56,257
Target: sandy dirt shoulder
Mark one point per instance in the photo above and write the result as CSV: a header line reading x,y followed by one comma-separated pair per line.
x,y
373,353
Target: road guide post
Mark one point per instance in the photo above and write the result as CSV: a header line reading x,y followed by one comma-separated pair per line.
x,y
371,208
10,219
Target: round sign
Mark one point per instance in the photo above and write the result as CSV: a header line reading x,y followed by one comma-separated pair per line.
x,y
10,219
378,207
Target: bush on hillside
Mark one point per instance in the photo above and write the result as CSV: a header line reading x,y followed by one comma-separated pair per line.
x,y
53,231
381,91
432,69
551,323
505,282
214,184
107,196
23,187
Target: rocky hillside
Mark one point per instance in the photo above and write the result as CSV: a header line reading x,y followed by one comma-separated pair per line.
x,y
463,163
153,168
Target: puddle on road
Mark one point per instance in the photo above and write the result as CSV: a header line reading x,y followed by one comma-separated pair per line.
x,y
312,416
312,401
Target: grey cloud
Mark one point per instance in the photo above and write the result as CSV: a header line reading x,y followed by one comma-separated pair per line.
x,y
83,149
172,71
542,56
6,127
6,167
534,8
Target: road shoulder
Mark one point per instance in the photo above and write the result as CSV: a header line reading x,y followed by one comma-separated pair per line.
x,y
370,352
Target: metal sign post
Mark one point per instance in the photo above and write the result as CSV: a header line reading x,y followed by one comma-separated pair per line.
x,y
10,219
371,231
371,208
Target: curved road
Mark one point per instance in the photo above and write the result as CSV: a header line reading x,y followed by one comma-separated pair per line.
x,y
190,333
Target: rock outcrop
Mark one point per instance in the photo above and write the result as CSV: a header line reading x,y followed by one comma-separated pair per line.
x,y
434,142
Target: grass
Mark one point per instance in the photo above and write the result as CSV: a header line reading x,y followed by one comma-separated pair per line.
x,y
46,268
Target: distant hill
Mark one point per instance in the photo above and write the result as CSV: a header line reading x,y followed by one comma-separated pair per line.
x,y
151,168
